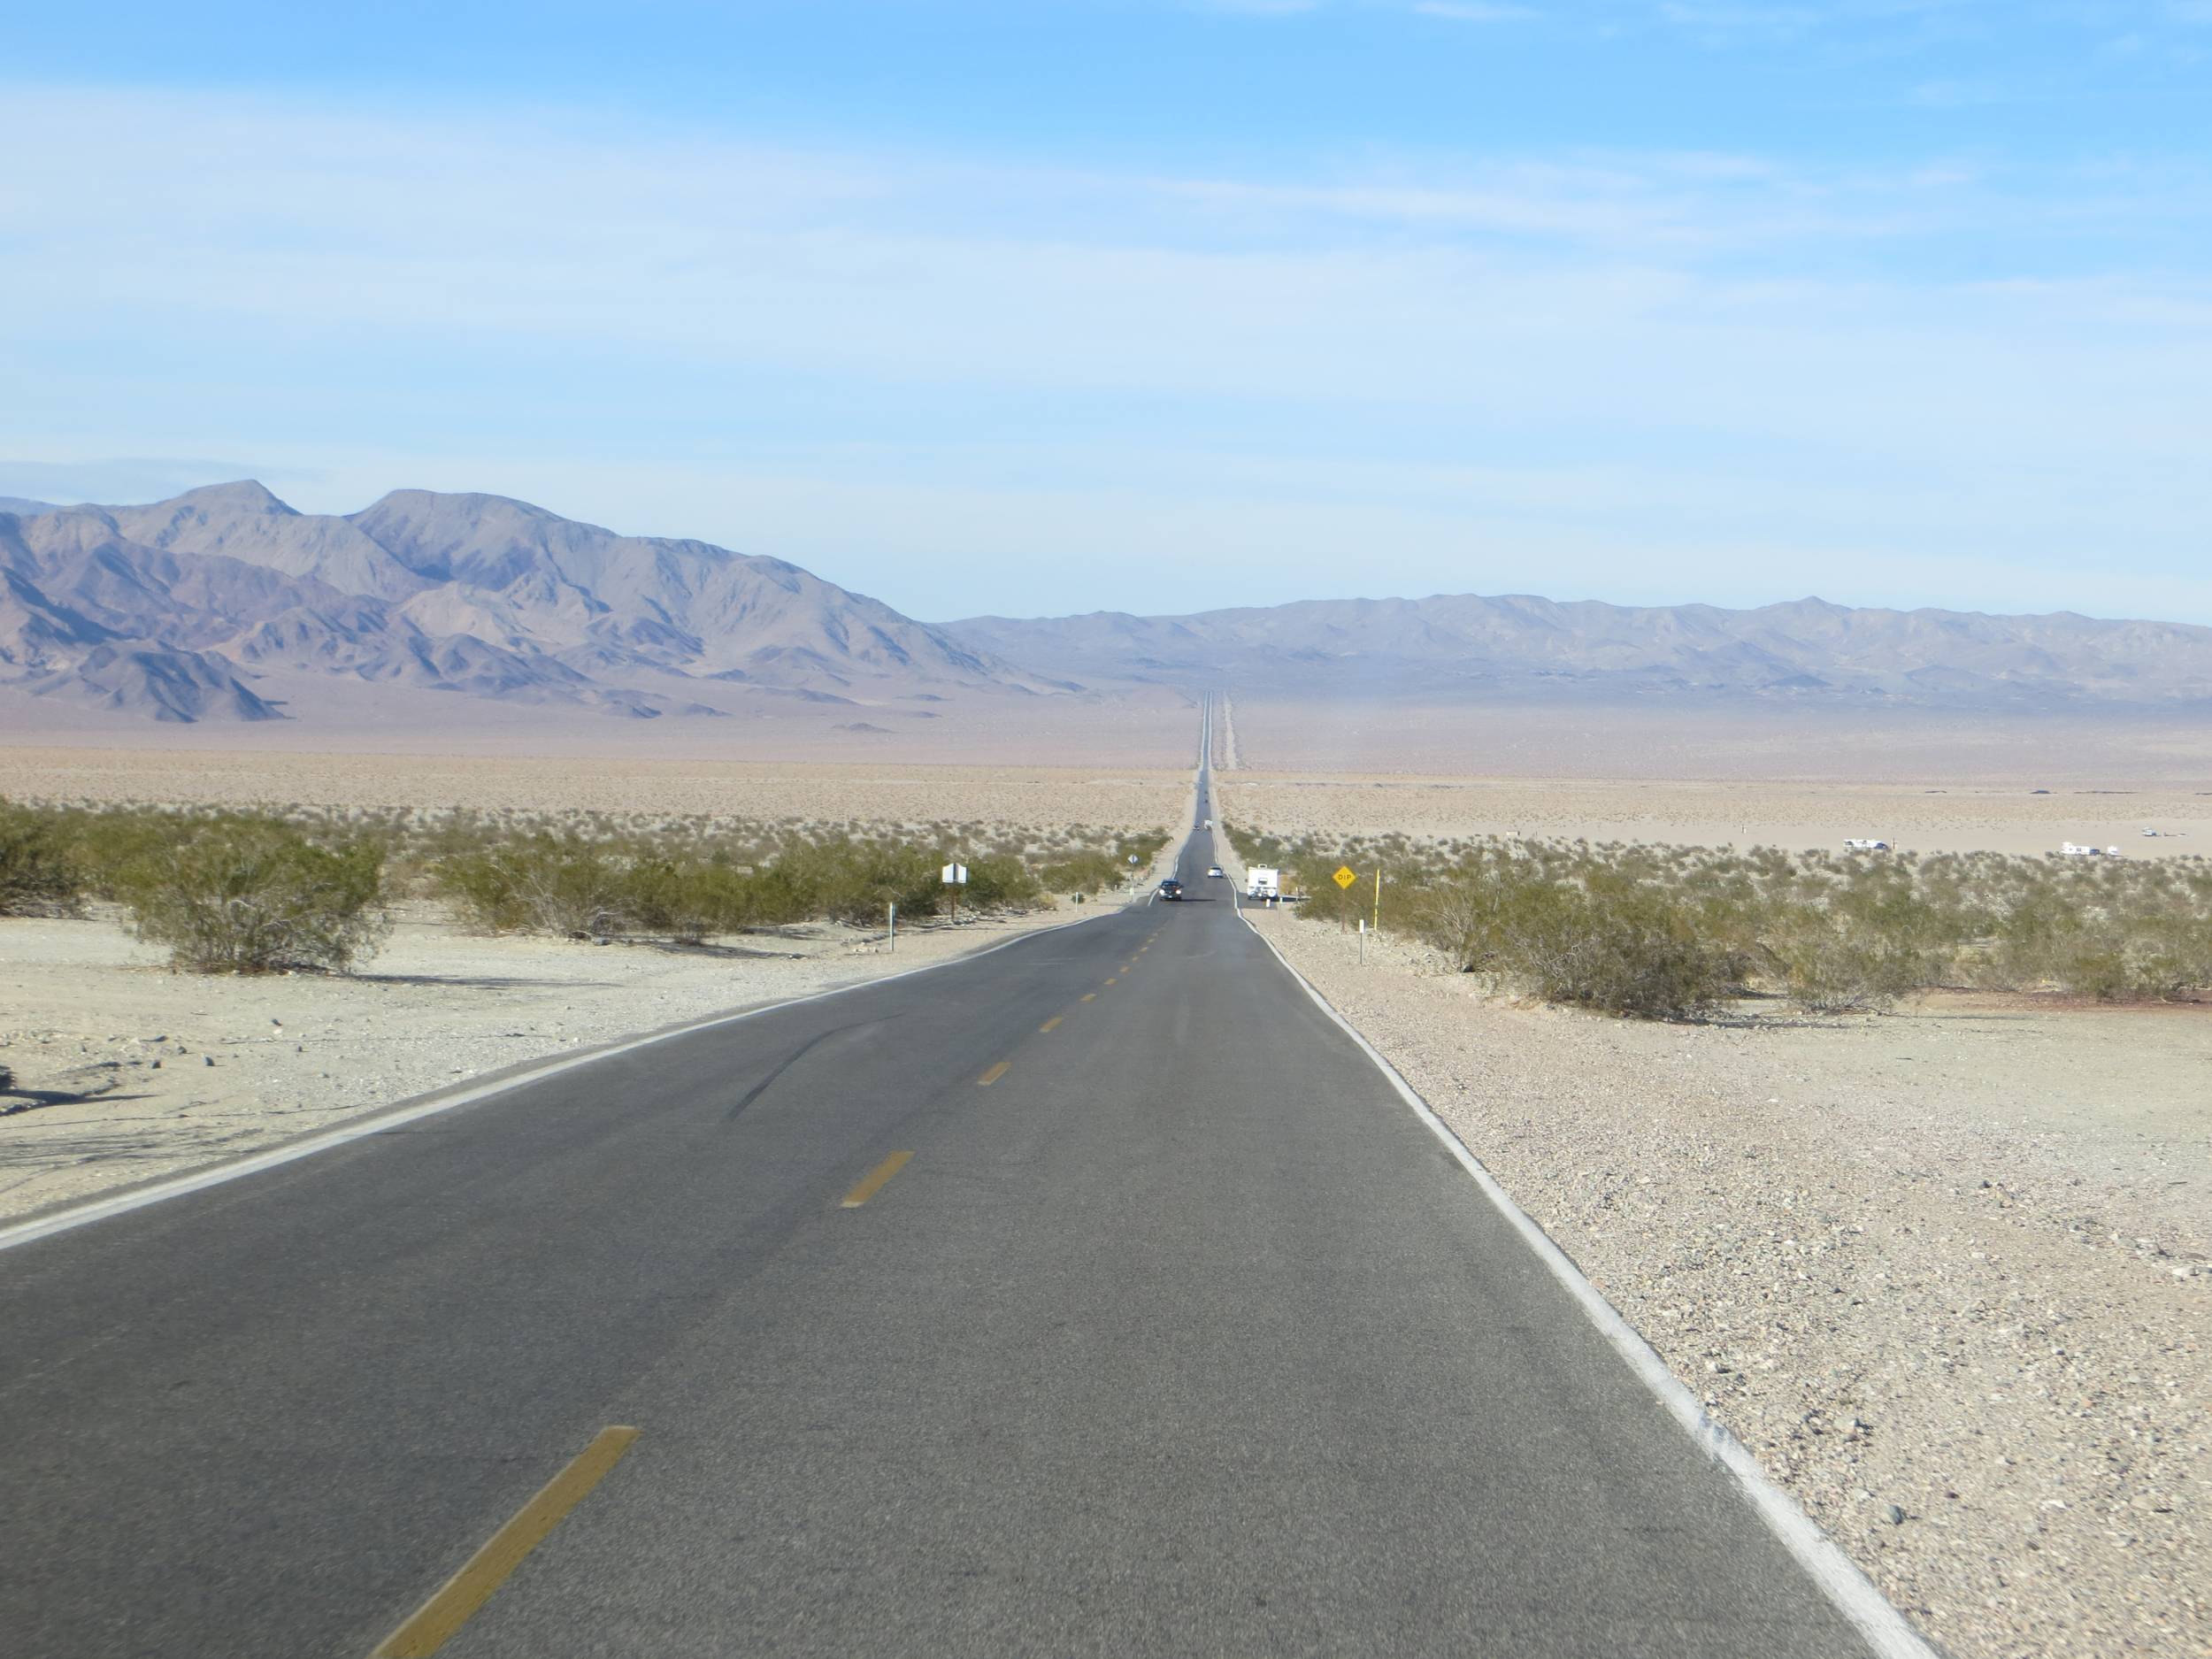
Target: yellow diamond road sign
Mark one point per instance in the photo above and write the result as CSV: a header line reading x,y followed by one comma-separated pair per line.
x,y
1344,876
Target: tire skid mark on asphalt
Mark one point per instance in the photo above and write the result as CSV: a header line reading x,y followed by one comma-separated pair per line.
x,y
791,1059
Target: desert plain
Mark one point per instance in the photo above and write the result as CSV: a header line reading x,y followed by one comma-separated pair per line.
x,y
1945,1270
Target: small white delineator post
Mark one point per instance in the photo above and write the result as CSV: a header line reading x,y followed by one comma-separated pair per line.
x,y
891,926
1363,940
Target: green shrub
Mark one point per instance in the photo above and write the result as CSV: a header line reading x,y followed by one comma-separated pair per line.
x,y
1082,872
1000,880
248,896
40,873
1631,950
540,883
1829,964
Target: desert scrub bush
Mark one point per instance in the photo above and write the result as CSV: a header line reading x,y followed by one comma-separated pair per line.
x,y
1088,871
594,874
40,875
1829,963
1002,880
240,895
1650,929
538,883
1622,949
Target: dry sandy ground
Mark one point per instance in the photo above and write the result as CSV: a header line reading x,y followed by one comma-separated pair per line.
x,y
1958,817
1944,1271
118,1049
874,793
1145,727
1674,738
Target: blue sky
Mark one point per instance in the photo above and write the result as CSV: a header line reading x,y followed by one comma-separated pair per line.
x,y
1054,307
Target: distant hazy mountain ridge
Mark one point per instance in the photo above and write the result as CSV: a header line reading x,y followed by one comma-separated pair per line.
x,y
225,604
1468,645
177,611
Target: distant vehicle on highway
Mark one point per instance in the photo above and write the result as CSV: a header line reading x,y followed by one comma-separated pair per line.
x,y
1171,889
1214,871
1865,846
1262,881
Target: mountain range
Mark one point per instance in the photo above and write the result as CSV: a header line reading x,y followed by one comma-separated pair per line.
x,y
1463,646
221,603
185,610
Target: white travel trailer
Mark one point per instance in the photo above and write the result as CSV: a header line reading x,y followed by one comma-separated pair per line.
x,y
1858,846
2067,850
1264,882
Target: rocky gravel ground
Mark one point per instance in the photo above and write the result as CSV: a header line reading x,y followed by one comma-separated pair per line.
x,y
1945,1271
120,1070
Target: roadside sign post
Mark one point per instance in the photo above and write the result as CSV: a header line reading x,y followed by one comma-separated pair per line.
x,y
956,877
1344,877
1378,898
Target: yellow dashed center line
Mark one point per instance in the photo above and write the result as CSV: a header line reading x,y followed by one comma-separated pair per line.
x,y
1090,996
434,1623
993,1075
1110,981
1050,1023
871,1183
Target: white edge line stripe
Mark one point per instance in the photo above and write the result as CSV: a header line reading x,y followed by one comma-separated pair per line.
x,y
1854,1594
101,1208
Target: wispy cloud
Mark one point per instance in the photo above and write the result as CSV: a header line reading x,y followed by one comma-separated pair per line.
x,y
122,478
1475,11
1913,358
1880,25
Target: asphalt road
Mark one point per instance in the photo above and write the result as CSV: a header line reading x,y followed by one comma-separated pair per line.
x,y
1181,1334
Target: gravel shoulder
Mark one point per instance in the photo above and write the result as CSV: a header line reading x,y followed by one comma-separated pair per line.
x,y
124,1070
1946,1272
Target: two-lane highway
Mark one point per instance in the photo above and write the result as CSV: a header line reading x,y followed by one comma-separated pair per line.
x,y
1093,1295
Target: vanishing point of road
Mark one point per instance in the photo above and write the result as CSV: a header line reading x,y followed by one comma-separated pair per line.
x,y
1093,1295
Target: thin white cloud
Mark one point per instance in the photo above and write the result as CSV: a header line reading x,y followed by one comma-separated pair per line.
x,y
1475,11
1594,354
120,480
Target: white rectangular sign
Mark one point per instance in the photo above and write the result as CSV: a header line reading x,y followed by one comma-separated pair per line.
x,y
956,875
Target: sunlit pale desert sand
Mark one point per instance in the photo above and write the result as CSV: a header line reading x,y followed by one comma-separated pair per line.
x,y
1965,817
865,791
1677,740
